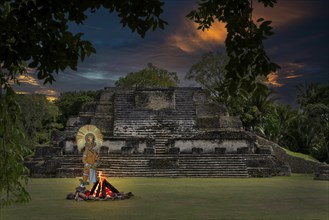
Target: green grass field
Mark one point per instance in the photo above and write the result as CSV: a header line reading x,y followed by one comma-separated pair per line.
x,y
296,197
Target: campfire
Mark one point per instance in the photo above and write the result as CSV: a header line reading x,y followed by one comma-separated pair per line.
x,y
101,190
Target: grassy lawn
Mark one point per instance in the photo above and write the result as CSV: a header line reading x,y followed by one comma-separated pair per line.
x,y
296,197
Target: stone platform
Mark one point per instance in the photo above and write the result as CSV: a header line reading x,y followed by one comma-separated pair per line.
x,y
207,165
173,132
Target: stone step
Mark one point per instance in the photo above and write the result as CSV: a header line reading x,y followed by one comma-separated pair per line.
x,y
181,160
161,151
186,160
322,173
179,168
161,142
181,156
78,170
189,163
126,117
143,172
186,172
174,174
203,170
188,166
173,117
146,167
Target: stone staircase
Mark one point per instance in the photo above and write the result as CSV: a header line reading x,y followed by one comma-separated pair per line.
x,y
161,166
161,145
322,173
131,121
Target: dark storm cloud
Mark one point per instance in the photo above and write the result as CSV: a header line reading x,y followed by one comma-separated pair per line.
x,y
299,46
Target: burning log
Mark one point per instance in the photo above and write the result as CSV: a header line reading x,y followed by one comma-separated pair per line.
x,y
101,190
110,187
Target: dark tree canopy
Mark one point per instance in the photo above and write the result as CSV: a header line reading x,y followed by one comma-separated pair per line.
x,y
244,41
34,33
151,76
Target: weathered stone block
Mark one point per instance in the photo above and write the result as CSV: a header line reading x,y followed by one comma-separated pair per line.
x,y
174,150
43,151
105,95
114,146
322,173
133,143
230,122
77,122
128,150
104,150
149,151
197,150
208,122
88,108
219,150
166,163
150,142
243,150
264,150
204,105
57,151
155,100
232,146
70,147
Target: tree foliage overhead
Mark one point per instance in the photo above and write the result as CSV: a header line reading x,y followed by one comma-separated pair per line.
x,y
13,173
151,76
34,33
244,41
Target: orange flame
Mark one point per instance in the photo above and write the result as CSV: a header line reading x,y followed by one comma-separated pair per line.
x,y
101,178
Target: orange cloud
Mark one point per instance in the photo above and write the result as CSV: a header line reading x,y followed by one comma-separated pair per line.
x,y
51,94
272,80
295,65
35,86
293,76
22,93
189,39
291,69
47,92
217,33
283,13
185,43
28,80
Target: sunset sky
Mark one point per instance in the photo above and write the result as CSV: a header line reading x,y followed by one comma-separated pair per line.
x,y
299,46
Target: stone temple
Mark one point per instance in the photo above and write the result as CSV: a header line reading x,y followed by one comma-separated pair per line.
x,y
165,132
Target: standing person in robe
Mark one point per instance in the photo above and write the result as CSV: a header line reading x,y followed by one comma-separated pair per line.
x,y
89,159
89,139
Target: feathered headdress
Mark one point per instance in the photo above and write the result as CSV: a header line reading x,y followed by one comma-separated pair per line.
x,y
86,130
